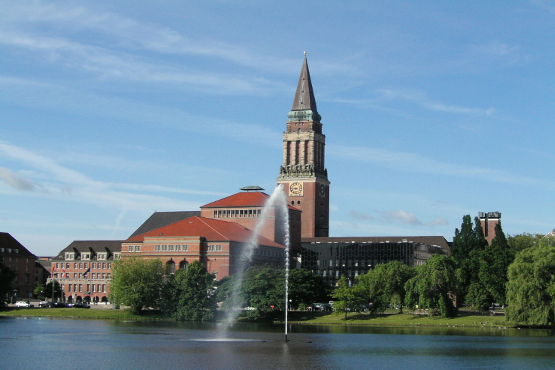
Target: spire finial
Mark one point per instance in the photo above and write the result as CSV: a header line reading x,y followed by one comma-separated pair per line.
x,y
305,53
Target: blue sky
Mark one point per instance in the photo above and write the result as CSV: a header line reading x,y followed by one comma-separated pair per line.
x,y
110,111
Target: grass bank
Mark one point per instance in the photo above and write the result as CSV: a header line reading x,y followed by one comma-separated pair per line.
x,y
77,313
318,318
300,317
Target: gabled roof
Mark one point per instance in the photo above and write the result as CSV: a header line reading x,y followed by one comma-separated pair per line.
x,y
304,96
208,228
160,219
243,199
95,246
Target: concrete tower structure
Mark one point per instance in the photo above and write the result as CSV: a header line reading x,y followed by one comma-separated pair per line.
x,y
303,173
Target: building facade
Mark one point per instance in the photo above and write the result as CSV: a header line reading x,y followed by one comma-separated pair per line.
x,y
18,258
303,173
334,257
84,269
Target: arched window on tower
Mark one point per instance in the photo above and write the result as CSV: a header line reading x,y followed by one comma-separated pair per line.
x,y
170,267
183,265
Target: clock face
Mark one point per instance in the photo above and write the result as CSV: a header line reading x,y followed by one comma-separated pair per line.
x,y
296,189
322,191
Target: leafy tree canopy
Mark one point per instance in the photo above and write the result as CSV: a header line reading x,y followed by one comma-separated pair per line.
x,y
137,283
57,290
433,285
348,298
531,285
385,284
189,294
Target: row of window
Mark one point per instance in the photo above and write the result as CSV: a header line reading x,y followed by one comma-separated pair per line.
x,y
226,213
171,248
215,248
85,265
9,250
87,256
269,252
96,288
17,267
134,248
16,259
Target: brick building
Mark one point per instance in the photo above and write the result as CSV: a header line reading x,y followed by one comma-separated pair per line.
x,y
218,237
488,220
84,268
22,262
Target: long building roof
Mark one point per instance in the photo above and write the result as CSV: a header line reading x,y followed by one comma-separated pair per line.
x,y
439,241
208,228
160,219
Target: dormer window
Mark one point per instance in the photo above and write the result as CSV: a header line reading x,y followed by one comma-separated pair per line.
x,y
101,256
69,256
85,256
117,256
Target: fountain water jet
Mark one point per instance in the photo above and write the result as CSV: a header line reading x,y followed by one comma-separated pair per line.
x,y
278,202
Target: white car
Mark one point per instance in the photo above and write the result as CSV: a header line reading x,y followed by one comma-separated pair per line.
x,y
23,304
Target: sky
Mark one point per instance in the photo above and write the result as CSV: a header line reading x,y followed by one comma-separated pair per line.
x,y
432,110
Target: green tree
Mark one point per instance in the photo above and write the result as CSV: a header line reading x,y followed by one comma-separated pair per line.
x,y
306,288
523,241
57,290
494,265
264,290
468,244
433,285
136,283
6,277
531,285
385,284
40,291
189,294
348,298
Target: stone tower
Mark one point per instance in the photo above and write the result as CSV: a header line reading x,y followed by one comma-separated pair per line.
x,y
303,173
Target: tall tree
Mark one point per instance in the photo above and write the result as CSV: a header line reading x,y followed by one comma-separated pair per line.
x,y
263,289
385,284
494,265
306,287
522,241
136,283
189,294
531,285
433,285
348,298
57,290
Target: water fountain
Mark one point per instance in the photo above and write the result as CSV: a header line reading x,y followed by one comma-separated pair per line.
x,y
277,202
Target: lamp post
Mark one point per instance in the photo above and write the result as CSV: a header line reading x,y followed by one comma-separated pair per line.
x,y
14,295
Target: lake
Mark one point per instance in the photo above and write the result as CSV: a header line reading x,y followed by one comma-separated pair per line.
x,y
44,343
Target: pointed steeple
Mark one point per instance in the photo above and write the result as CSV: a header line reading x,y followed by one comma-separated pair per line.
x,y
304,98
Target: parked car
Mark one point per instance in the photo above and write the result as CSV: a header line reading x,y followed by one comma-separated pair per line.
x,y
44,304
60,305
24,304
80,305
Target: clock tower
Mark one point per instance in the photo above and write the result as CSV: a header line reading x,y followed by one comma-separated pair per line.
x,y
303,174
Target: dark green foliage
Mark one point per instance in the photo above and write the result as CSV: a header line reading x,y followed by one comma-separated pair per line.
x,y
57,290
264,290
264,287
6,277
522,241
306,288
188,295
136,283
494,264
531,286
479,297
432,286
40,291
385,285
348,298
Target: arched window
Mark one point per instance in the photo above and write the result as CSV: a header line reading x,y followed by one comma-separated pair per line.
x,y
183,265
170,267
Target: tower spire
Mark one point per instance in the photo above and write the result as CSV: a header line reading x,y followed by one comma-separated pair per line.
x,y
304,96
